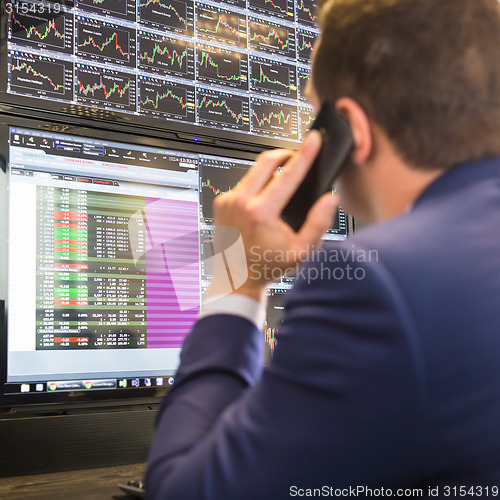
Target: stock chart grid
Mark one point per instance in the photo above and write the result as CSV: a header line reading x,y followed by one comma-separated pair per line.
x,y
237,65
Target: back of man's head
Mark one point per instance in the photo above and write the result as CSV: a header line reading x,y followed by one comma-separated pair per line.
x,y
426,71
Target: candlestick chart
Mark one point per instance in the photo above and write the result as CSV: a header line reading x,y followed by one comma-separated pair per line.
x,y
221,25
222,66
274,315
170,99
305,44
107,42
162,54
306,12
274,118
218,177
271,37
303,75
49,29
124,9
273,77
107,87
307,116
39,75
276,8
176,15
223,107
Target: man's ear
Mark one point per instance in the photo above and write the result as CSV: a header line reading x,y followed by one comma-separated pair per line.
x,y
361,128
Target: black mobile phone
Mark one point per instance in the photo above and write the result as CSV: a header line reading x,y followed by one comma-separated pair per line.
x,y
338,143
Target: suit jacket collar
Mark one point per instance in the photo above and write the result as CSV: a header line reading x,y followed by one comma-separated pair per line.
x,y
460,178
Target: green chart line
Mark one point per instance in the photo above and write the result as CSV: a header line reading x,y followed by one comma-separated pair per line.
x,y
206,58
264,78
156,101
272,34
90,89
220,104
172,56
307,10
51,26
113,37
30,69
280,116
165,6
221,22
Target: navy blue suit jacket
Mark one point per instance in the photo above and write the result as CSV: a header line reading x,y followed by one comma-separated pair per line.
x,y
388,379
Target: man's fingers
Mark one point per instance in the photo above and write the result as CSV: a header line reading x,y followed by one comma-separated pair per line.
x,y
319,219
263,170
279,192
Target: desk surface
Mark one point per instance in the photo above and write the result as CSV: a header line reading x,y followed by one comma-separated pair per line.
x,y
95,484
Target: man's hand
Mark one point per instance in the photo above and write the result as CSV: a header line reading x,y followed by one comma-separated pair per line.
x,y
254,208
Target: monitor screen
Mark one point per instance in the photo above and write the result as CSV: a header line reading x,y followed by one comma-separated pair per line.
x,y
235,69
103,261
107,245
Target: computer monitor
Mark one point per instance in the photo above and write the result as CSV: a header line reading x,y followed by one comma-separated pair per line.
x,y
106,239
233,70
103,260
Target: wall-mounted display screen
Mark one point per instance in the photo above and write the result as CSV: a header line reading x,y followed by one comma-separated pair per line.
x,y
227,69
